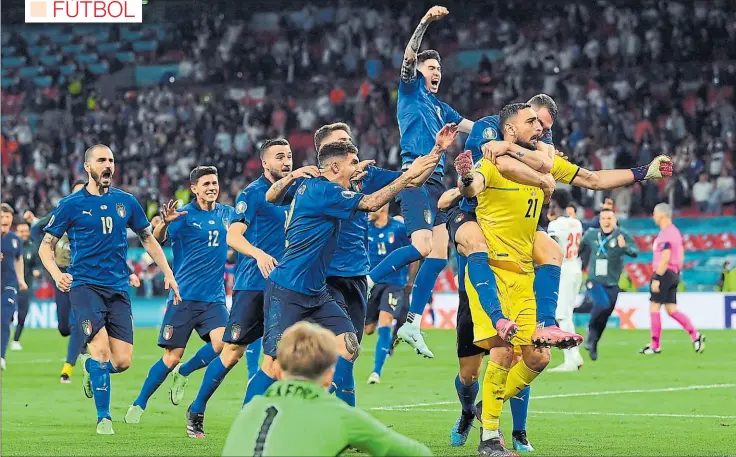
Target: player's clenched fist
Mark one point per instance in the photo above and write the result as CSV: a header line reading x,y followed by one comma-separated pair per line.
x,y
659,168
435,13
64,282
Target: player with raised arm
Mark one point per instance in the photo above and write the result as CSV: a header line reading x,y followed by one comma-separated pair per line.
x,y
97,218
385,235
12,275
197,232
297,409
567,232
421,115
257,235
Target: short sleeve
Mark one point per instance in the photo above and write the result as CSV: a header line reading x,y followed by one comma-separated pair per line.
x,y
138,220
450,115
482,132
552,230
290,192
489,171
378,178
19,248
664,245
246,205
60,220
336,201
564,171
408,87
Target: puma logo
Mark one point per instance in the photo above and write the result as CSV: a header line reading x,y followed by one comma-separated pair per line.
x,y
196,225
88,213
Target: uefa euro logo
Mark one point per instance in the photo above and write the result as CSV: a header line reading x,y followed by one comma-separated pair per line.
x,y
84,11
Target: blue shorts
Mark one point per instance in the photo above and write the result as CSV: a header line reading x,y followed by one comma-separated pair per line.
x,y
351,293
181,319
385,297
456,217
9,305
285,308
96,307
419,206
245,324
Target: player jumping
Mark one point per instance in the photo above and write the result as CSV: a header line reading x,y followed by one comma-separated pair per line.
x,y
97,218
197,232
12,275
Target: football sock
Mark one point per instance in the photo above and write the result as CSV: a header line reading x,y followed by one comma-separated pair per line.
x,y
656,329
344,382
423,286
484,283
75,344
67,369
201,359
546,287
395,261
253,356
258,385
156,375
467,395
520,409
520,376
684,321
383,345
5,335
213,376
110,368
494,383
99,376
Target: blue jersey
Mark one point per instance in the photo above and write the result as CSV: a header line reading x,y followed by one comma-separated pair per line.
x,y
312,227
351,253
12,249
382,241
486,130
265,231
421,116
97,227
199,243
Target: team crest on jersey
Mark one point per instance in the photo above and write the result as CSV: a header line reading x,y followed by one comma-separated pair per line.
x,y
241,207
489,133
391,237
15,244
235,332
459,217
168,332
428,216
120,208
87,327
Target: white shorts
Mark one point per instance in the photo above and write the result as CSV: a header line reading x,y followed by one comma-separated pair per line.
x,y
571,279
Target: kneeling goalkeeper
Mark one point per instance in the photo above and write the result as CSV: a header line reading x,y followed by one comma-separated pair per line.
x,y
297,416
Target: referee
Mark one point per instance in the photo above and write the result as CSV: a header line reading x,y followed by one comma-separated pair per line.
x,y
603,250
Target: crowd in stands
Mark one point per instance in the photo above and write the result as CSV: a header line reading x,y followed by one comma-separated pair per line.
x,y
632,80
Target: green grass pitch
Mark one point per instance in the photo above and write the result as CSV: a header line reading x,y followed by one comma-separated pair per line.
x,y
676,403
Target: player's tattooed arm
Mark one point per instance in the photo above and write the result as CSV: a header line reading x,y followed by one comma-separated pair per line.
x,y
352,346
379,198
277,192
536,160
144,235
46,254
409,66
449,199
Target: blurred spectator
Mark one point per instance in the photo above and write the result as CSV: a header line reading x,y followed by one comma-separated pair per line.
x,y
702,192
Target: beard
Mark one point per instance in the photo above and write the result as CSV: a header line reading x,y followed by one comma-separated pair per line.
x,y
97,177
527,145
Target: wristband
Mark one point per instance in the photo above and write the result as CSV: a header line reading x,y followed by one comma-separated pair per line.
x,y
640,173
467,180
656,277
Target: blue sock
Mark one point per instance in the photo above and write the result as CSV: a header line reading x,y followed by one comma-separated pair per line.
x,y
100,379
110,368
467,395
156,376
5,335
520,409
252,357
258,384
201,359
383,345
546,287
395,261
462,262
75,345
213,376
484,282
423,285
344,381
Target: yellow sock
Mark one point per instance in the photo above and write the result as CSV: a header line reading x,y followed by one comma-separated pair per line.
x,y
520,376
67,370
494,383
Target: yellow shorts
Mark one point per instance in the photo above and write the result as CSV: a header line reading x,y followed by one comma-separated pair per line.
x,y
516,293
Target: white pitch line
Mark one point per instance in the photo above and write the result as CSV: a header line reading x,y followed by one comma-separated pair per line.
x,y
582,413
578,394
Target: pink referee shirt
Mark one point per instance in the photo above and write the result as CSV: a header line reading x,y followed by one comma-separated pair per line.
x,y
669,238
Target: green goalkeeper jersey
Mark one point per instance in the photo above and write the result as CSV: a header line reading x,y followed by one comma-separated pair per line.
x,y
301,418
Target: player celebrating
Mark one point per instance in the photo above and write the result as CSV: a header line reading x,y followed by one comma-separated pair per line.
x,y
97,218
30,273
12,275
421,115
197,233
669,254
297,409
385,235
567,232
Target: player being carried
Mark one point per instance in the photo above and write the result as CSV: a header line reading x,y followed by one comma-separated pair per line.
x,y
421,115
197,232
97,219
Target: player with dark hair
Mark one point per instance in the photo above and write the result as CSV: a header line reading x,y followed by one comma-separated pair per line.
x,y
421,115
97,219
31,271
12,275
257,235
197,232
